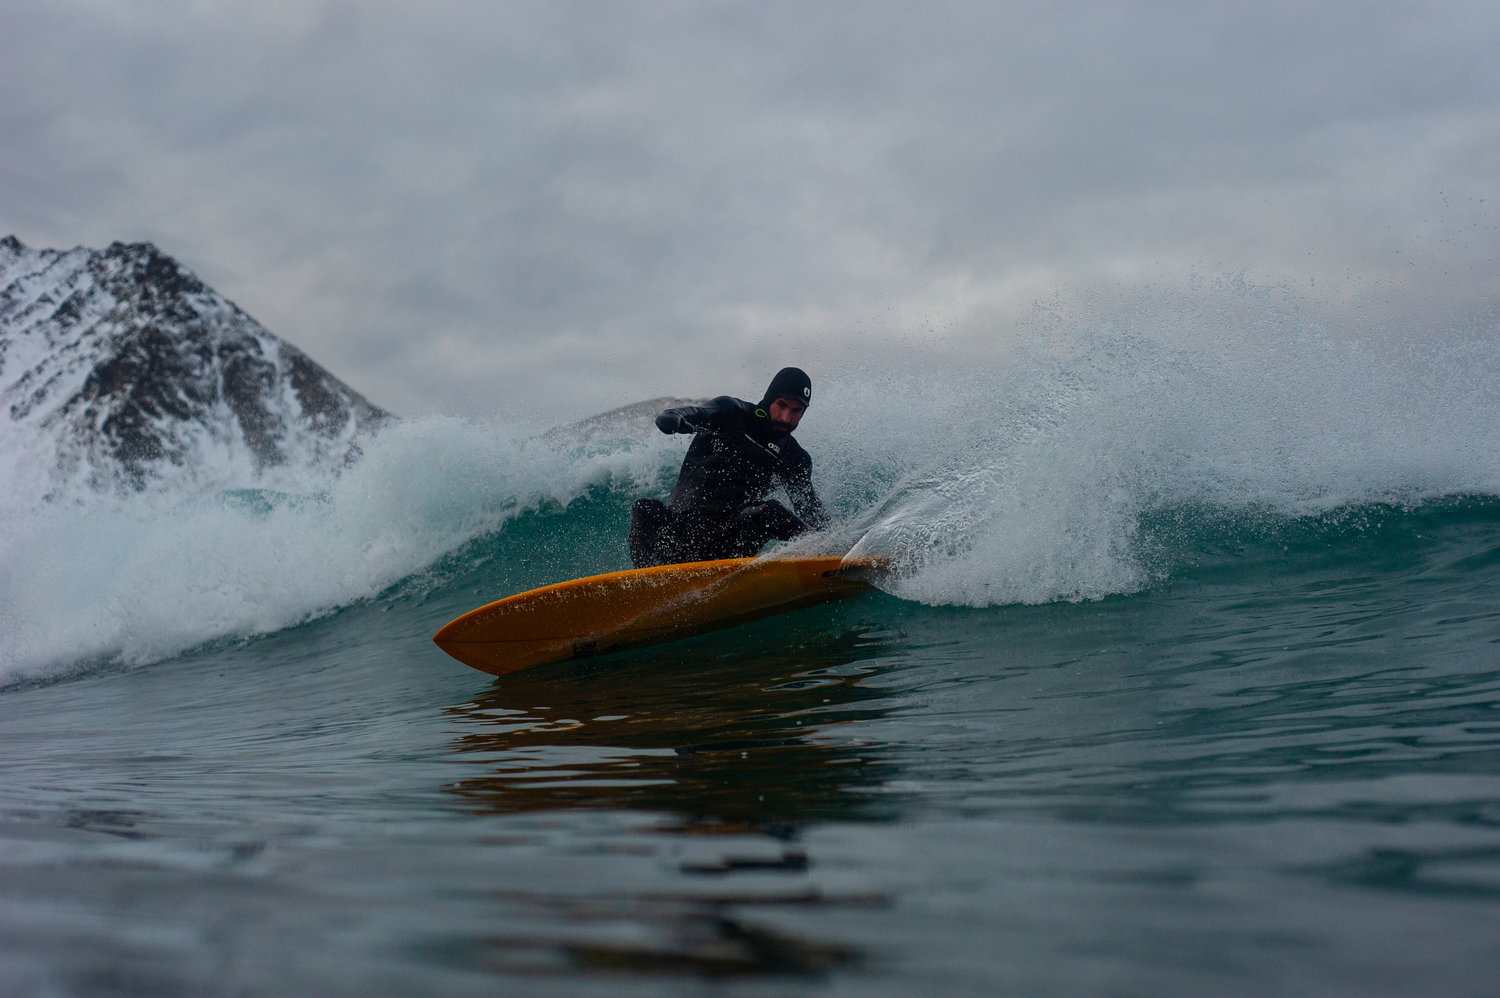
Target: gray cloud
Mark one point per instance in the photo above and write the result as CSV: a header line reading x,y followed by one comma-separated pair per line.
x,y
555,207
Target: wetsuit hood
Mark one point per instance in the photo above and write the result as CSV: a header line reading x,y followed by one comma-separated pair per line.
x,y
789,383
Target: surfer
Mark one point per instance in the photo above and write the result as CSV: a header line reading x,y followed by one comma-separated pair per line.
x,y
739,454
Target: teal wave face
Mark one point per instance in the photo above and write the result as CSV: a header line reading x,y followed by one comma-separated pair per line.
x,y
534,548
1184,537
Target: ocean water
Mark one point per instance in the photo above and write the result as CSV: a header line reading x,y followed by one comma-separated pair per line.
x,y
1189,684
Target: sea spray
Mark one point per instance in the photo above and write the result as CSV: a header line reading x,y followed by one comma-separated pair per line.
x,y
135,579
1029,482
1097,461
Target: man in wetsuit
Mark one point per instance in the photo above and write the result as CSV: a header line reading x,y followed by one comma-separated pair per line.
x,y
739,454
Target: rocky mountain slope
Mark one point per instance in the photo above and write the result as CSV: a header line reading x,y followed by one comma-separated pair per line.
x,y
120,372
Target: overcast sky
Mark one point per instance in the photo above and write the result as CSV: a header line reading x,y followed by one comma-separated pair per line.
x,y
556,207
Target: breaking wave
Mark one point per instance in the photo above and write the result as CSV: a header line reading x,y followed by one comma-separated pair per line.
x,y
1099,462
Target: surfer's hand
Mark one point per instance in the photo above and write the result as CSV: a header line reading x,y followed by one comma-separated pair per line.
x,y
670,422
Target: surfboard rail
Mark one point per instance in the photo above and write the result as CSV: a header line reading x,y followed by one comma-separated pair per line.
x,y
618,610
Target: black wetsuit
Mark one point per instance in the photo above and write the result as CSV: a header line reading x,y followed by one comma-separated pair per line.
x,y
719,507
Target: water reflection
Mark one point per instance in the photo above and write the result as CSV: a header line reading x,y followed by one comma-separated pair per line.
x,y
666,936
733,751
718,738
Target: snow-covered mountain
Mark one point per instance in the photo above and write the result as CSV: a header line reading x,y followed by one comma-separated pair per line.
x,y
120,372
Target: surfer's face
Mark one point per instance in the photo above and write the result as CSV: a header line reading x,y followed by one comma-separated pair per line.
x,y
786,414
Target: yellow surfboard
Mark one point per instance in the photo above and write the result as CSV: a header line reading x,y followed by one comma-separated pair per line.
x,y
642,606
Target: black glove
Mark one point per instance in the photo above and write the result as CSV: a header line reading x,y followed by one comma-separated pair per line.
x,y
671,422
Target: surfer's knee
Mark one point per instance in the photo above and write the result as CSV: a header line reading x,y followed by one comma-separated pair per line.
x,y
764,521
771,518
649,523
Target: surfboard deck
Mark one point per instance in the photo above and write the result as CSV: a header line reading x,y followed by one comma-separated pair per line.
x,y
642,606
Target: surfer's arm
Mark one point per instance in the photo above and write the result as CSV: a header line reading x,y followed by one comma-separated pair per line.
x,y
692,418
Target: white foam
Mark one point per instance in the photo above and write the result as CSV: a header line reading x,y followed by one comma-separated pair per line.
x,y
1030,482
138,579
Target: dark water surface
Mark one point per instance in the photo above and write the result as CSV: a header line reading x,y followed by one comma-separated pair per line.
x,y
1276,770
